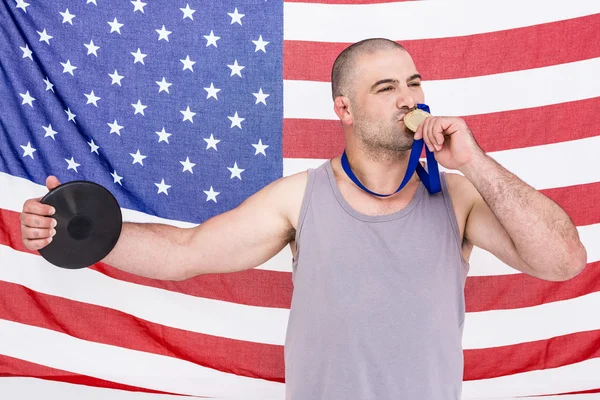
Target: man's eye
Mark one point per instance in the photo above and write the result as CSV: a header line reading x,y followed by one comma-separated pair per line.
x,y
385,89
415,84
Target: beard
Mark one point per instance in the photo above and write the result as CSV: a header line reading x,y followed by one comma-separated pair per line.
x,y
383,139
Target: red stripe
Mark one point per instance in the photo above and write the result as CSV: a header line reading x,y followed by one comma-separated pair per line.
x,y
580,202
570,393
310,138
458,57
484,293
14,367
251,359
252,287
531,356
97,324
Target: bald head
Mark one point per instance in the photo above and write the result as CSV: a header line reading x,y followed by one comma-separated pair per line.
x,y
342,73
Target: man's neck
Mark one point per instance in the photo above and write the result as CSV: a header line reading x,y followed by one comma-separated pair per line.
x,y
381,173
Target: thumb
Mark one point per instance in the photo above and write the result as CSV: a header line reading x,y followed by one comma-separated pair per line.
x,y
52,182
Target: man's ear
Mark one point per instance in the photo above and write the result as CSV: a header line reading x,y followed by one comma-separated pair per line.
x,y
341,106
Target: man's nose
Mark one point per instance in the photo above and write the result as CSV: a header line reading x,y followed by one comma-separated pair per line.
x,y
405,99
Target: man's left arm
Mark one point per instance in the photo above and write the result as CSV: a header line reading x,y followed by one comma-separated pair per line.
x,y
509,218
542,234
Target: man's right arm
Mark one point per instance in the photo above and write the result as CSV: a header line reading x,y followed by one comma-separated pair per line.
x,y
239,239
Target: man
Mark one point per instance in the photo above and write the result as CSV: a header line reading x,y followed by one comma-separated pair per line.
x,y
378,308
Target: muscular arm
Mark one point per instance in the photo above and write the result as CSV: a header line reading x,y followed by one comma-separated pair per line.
x,y
239,239
520,225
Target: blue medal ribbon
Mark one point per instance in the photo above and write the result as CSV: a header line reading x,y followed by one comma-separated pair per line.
x,y
431,180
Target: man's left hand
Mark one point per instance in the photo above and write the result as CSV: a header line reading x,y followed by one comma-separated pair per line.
x,y
450,139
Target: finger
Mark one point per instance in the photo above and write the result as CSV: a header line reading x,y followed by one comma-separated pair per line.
x,y
36,244
437,132
52,182
37,221
419,132
33,206
28,233
427,133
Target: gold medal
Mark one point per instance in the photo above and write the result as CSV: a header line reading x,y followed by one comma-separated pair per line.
x,y
413,119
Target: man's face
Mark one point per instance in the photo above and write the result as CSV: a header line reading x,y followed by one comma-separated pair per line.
x,y
387,86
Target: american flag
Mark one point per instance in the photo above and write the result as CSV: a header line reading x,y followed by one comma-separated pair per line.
x,y
182,109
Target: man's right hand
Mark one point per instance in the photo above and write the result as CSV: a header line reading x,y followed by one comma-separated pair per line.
x,y
37,227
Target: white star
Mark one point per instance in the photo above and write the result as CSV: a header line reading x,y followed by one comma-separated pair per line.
x,y
27,99
67,17
94,147
44,37
139,108
139,56
211,194
188,115
187,165
236,69
261,97
211,39
138,6
138,158
236,121
92,98
162,187
68,68
116,78
236,172
188,64
91,48
163,85
28,150
49,131
236,17
212,91
21,4
72,164
70,115
211,142
260,44
115,26
187,12
49,85
115,128
91,1
163,33
163,136
27,52
116,177
260,148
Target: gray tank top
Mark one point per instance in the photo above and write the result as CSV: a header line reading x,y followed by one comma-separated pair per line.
x,y
378,304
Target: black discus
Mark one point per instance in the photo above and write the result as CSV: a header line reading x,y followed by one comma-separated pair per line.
x,y
88,225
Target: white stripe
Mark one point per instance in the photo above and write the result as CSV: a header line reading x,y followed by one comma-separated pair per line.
x,y
495,328
21,189
549,166
569,378
32,388
468,96
483,263
129,367
212,317
422,19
